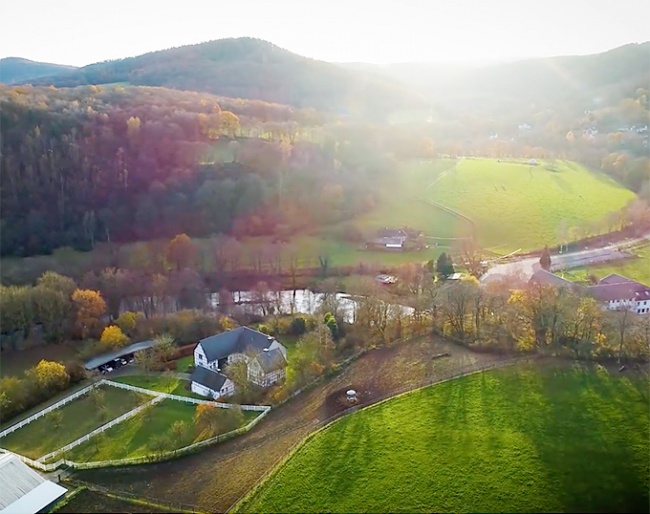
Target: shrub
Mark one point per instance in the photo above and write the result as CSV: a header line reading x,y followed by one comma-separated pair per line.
x,y
265,329
298,326
76,371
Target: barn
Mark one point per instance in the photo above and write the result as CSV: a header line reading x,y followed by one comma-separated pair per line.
x,y
23,490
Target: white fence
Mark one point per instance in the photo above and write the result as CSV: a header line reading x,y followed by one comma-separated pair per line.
x,y
101,429
258,408
49,409
169,454
34,463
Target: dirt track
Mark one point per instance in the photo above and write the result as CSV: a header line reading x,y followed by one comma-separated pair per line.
x,y
216,478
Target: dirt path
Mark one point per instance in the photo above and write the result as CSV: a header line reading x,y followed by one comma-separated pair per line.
x,y
216,478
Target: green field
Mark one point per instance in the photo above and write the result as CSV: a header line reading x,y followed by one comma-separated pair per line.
x,y
134,437
521,439
80,416
636,268
515,205
161,384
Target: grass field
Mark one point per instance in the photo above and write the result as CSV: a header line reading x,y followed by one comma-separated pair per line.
x,y
134,437
79,417
184,363
515,205
635,269
161,384
467,446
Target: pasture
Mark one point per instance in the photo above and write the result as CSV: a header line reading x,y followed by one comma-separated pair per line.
x,y
136,436
78,417
515,205
555,439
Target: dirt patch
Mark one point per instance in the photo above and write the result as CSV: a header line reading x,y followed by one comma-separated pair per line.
x,y
338,401
201,479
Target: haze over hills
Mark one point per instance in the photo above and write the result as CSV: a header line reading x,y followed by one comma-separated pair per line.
x,y
256,69
14,70
248,68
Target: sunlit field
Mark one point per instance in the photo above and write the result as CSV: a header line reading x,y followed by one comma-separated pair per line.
x,y
515,205
514,440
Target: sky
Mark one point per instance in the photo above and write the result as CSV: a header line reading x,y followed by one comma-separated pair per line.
x,y
79,32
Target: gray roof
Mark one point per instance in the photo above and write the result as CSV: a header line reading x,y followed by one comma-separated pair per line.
x,y
620,291
545,277
23,490
613,278
208,378
271,360
234,341
95,362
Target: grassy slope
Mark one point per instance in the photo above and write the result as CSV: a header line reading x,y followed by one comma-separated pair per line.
x,y
465,446
133,437
635,269
79,417
515,207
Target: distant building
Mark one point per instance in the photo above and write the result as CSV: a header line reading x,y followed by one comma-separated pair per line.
x,y
389,239
386,279
616,292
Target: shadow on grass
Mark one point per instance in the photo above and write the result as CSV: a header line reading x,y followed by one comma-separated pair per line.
x,y
589,435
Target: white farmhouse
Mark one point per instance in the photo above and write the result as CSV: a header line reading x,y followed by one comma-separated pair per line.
x,y
266,358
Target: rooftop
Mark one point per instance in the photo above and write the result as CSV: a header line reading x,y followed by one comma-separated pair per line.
x,y
271,360
234,341
102,359
23,490
208,378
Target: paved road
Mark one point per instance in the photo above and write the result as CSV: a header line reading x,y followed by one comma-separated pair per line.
x,y
526,267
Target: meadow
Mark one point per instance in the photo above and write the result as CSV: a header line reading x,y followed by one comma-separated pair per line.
x,y
135,437
79,417
465,446
515,205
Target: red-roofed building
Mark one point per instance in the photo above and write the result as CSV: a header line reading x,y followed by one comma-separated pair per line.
x,y
617,292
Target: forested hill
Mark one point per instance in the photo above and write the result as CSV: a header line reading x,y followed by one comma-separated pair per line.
x,y
253,69
112,163
574,82
14,70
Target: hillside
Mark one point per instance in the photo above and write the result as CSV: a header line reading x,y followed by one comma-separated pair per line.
x,y
254,69
515,205
581,82
14,70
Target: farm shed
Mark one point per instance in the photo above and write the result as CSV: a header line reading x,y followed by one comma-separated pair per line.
x,y
105,358
23,490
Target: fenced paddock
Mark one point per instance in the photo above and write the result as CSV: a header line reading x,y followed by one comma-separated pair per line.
x,y
42,464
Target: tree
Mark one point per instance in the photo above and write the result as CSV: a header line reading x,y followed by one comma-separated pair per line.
x,y
238,373
127,321
444,265
298,326
90,308
164,347
181,252
112,338
179,431
545,259
229,123
55,418
161,442
50,375
330,322
209,418
146,360
97,398
56,282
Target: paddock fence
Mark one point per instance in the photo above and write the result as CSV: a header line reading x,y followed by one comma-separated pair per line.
x,y
49,409
257,408
101,429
